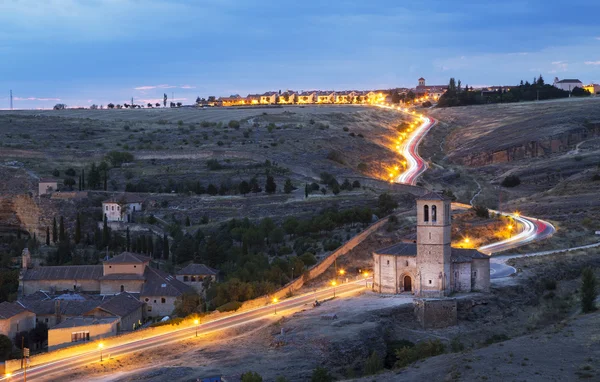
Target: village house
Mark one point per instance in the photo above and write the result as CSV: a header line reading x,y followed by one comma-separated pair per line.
x,y
194,274
592,88
121,208
433,91
430,267
126,306
268,98
307,97
14,318
345,97
567,84
81,329
47,186
326,97
287,98
253,99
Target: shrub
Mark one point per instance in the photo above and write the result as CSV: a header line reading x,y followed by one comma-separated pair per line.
x,y
588,290
213,165
481,211
220,143
511,181
356,184
496,338
5,347
70,172
234,124
151,219
426,104
456,346
335,156
251,376
346,129
373,364
55,173
407,355
230,306
320,374
596,177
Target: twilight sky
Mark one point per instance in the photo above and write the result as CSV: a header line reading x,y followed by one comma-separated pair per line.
x,y
81,52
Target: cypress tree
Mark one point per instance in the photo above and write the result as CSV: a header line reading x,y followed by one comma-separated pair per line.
x,y
128,240
77,230
105,179
165,246
82,179
588,290
61,234
79,182
105,233
143,242
47,235
150,245
306,190
187,221
54,231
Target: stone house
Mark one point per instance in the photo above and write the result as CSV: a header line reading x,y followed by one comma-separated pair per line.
x,y
123,273
193,275
433,91
430,267
268,98
47,186
126,306
567,84
592,88
15,318
121,208
160,291
81,329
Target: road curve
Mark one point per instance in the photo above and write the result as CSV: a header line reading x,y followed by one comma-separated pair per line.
x,y
51,371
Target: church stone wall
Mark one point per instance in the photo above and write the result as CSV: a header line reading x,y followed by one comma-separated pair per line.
x,y
481,275
461,277
385,275
137,269
434,314
114,286
32,286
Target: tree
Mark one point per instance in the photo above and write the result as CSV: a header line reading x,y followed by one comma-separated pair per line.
x,y
165,99
128,241
78,230
61,232
54,231
149,105
188,303
356,184
212,190
117,158
60,106
251,376
187,221
511,181
94,177
69,182
111,105
386,203
179,104
395,97
277,235
335,188
5,347
288,187
55,173
270,186
244,187
47,235
105,232
70,172
373,364
579,92
198,100
234,124
306,190
165,247
589,290
256,188
157,104
320,374
82,179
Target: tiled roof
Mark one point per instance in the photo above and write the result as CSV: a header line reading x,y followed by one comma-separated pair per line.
x,y
122,276
570,80
159,283
121,305
67,308
124,198
48,180
75,322
64,272
465,255
10,309
128,258
399,249
197,269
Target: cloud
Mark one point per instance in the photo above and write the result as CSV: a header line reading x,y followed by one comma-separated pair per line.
x,y
188,87
592,62
158,100
559,66
164,86
35,99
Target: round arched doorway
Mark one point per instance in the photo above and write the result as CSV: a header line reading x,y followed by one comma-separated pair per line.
x,y
407,284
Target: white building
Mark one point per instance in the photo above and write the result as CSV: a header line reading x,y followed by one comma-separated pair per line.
x,y
47,186
121,208
567,84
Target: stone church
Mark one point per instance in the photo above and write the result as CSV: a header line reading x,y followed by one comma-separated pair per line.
x,y
431,267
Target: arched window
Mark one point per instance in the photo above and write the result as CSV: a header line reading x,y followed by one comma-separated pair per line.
x,y
122,288
185,278
433,213
426,213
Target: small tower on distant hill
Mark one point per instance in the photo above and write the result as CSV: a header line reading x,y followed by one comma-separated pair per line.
x,y
421,81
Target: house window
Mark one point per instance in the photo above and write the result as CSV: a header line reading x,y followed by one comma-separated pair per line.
x,y
135,266
112,208
150,308
430,282
122,288
426,213
118,208
475,274
74,287
45,320
163,300
147,299
80,336
106,208
155,301
110,266
193,279
388,262
185,278
433,213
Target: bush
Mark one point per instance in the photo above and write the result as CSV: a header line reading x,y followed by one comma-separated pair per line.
x,y
456,346
70,172
596,177
5,347
373,364
117,158
511,181
345,128
335,156
407,355
496,338
320,374
481,211
251,376
426,104
213,165
55,173
234,124
230,306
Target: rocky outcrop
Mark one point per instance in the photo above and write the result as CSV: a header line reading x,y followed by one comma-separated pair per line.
x,y
546,146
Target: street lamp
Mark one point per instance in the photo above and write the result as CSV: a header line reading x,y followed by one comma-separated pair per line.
x,y
7,375
334,283
275,300
196,322
100,346
510,227
342,272
366,276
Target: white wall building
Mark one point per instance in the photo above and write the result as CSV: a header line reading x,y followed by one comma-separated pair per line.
x,y
121,208
567,84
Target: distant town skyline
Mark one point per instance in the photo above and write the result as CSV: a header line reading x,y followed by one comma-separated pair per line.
x,y
99,51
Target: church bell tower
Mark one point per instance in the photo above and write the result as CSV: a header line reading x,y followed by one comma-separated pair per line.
x,y
433,245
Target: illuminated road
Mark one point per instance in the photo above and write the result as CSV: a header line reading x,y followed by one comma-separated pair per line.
x,y
52,371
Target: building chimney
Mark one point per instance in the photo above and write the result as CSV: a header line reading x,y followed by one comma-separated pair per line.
x,y
57,311
25,258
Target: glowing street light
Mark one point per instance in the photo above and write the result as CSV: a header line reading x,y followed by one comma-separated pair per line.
x,y
7,375
517,214
334,283
510,228
196,322
100,346
275,300
366,276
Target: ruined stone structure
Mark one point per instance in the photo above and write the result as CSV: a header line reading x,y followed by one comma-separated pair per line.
x,y
435,314
430,267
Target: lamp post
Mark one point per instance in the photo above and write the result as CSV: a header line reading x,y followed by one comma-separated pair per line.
x,y
510,227
275,300
196,322
342,273
366,276
334,283
7,376
100,346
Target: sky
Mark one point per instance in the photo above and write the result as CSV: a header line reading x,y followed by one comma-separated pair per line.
x,y
84,52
